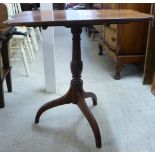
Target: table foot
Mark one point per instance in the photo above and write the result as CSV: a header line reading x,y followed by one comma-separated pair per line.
x,y
117,76
89,116
92,96
57,102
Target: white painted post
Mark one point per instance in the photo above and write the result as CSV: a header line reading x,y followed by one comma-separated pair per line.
x,y
48,53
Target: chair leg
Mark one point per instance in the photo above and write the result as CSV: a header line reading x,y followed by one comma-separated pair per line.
x,y
9,82
6,64
2,102
39,33
34,40
28,50
30,47
25,60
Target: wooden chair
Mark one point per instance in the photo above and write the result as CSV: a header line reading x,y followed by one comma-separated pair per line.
x,y
5,69
153,85
149,69
20,44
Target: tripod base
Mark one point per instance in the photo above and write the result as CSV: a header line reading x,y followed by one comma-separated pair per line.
x,y
76,95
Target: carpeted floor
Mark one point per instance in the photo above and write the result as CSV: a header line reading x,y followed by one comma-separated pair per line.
x,y
125,111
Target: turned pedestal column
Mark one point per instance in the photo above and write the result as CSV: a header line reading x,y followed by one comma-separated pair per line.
x,y
76,94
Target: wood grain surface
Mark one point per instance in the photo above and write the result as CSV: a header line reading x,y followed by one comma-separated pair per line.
x,y
76,17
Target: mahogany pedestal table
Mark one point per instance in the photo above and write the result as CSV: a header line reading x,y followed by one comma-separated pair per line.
x,y
76,19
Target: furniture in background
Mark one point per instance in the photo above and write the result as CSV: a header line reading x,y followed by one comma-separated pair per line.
x,y
153,85
76,93
126,43
59,6
29,6
149,69
20,43
23,43
15,8
5,68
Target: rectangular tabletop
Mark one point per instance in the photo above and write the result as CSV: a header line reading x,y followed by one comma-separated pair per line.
x,y
76,17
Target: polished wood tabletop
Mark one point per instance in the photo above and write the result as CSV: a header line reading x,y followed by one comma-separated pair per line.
x,y
76,17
